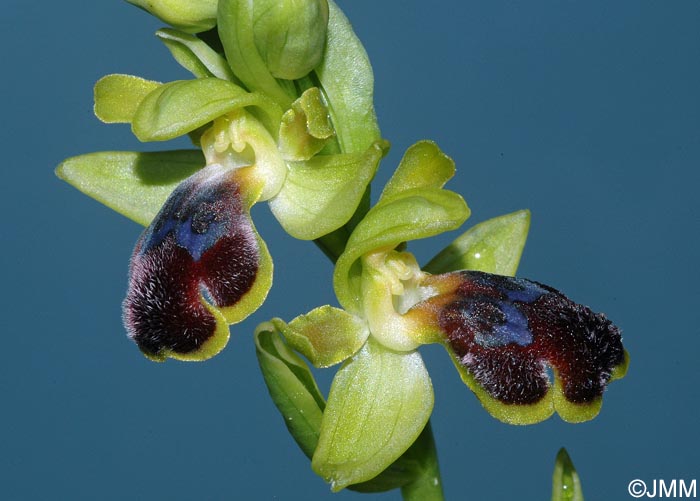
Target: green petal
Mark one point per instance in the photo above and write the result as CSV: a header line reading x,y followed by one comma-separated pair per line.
x,y
195,55
423,165
379,403
179,107
306,127
325,335
133,184
117,97
348,83
494,246
566,484
410,215
291,386
321,194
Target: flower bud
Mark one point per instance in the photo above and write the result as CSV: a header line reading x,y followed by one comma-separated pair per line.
x,y
290,35
192,16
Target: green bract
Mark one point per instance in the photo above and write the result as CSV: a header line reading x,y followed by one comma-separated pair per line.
x,y
291,386
566,484
347,81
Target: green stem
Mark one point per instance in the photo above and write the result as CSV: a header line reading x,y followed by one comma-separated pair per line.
x,y
333,244
427,486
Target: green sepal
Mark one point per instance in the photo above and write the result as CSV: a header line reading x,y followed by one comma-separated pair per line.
x,y
305,127
379,403
192,16
133,184
411,214
291,386
321,194
566,484
195,55
494,246
235,22
117,96
182,106
423,165
326,335
346,78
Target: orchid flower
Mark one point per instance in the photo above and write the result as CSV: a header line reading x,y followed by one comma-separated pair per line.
x,y
288,121
502,333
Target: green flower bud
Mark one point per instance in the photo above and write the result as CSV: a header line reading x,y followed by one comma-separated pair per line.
x,y
290,35
192,16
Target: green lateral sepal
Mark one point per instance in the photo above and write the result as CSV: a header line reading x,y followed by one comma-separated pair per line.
x,y
133,184
494,246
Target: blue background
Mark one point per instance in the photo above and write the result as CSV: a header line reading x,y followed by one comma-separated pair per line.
x,y
587,113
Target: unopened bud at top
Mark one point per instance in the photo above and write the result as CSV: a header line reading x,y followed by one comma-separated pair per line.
x,y
192,16
290,35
